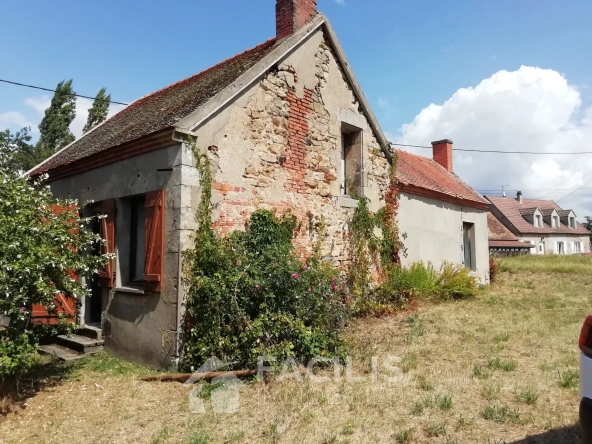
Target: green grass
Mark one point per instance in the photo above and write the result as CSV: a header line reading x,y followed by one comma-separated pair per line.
x,y
528,396
444,402
501,414
501,364
409,362
404,436
199,437
435,429
105,363
573,264
569,378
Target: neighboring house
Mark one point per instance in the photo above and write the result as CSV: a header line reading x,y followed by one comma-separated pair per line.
x,y
501,240
442,218
287,127
542,223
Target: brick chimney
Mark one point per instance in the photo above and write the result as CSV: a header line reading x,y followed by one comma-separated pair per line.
x,y
291,15
443,153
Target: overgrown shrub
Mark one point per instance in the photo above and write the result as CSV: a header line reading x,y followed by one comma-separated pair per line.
x,y
40,241
249,295
455,282
421,281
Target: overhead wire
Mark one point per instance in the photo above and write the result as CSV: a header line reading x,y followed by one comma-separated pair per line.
x,y
494,151
58,92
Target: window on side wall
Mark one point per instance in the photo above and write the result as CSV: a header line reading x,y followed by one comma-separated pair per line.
x,y
351,161
137,239
469,245
541,248
577,247
140,242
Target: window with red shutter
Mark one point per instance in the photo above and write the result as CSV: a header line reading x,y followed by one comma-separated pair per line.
x,y
106,273
65,305
154,243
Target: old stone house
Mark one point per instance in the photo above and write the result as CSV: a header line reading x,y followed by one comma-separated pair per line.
x,y
542,223
286,126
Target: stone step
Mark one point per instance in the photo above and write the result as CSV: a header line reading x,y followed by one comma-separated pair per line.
x,y
63,353
81,344
90,331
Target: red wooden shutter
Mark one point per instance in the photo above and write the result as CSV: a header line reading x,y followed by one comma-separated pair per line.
x,y
106,274
64,305
154,254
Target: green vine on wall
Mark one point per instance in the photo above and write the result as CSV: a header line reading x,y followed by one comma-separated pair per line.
x,y
367,249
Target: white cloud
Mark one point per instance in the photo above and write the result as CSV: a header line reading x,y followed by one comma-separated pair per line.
x,y
14,120
530,109
39,104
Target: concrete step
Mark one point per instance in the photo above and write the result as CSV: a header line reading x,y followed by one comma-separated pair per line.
x,y
81,344
63,353
90,331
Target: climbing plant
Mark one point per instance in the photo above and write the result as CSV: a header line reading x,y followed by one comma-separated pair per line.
x,y
250,295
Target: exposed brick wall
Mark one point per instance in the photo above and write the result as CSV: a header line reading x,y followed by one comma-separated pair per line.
x,y
443,153
298,135
291,15
280,151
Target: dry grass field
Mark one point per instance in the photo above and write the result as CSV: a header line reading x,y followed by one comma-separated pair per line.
x,y
499,368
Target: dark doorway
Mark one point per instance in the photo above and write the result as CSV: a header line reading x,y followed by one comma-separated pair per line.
x,y
469,245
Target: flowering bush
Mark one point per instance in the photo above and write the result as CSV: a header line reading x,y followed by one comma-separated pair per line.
x,y
251,296
40,241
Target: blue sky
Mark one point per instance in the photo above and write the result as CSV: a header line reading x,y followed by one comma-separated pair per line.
x,y
407,55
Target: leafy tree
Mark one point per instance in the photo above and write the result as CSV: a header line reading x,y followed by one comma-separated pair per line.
x,y
55,126
16,153
98,112
40,241
588,225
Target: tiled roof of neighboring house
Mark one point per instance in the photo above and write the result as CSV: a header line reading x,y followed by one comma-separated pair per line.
x,y
547,211
509,244
564,213
510,209
497,230
527,211
161,109
426,173
501,237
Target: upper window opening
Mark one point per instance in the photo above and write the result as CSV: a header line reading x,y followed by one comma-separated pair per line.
x,y
351,161
538,221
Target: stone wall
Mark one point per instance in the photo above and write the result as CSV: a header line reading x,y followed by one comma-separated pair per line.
x,y
279,147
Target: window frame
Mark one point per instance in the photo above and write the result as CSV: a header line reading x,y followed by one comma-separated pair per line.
x,y
352,138
134,202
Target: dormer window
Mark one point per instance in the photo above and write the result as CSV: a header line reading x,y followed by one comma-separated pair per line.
x,y
555,220
538,221
572,222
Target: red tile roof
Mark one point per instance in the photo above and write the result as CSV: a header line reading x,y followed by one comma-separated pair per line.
x,y
497,230
425,173
510,209
161,109
509,244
